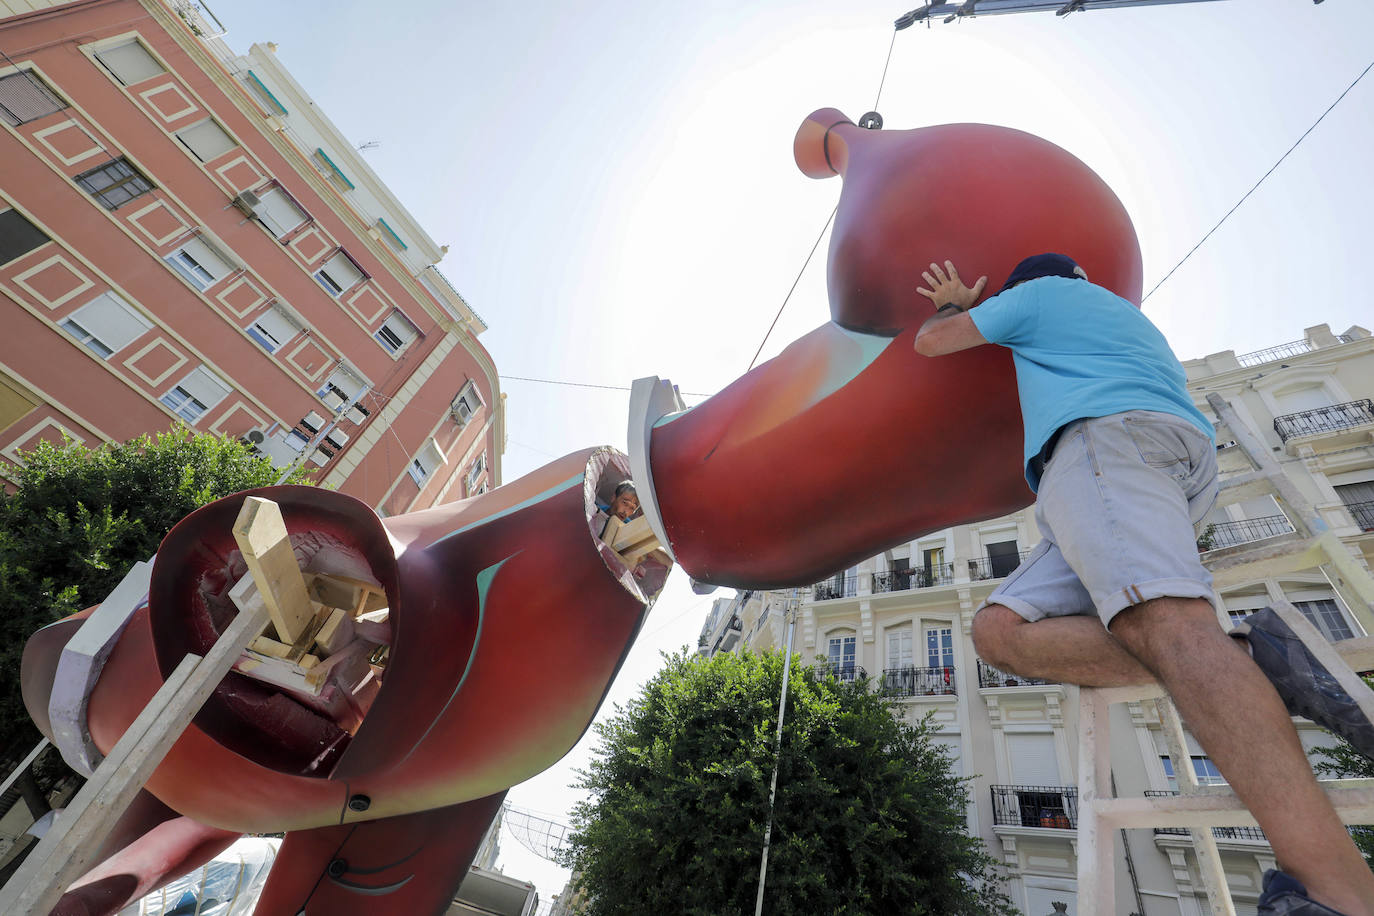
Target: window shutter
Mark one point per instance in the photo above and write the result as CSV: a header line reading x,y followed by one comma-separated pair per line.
x,y
1033,762
207,140
129,62
396,332
277,325
207,257
343,382
113,322
205,386
343,271
24,97
278,213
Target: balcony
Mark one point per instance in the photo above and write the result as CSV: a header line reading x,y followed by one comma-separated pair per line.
x,y
843,673
836,587
911,682
1220,833
989,676
1055,807
1282,351
1337,420
899,580
995,567
1229,534
1363,514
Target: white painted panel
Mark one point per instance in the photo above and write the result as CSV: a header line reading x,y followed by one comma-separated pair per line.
x,y
129,62
207,140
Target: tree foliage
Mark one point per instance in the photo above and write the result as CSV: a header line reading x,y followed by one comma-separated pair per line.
x,y
1342,761
869,818
81,517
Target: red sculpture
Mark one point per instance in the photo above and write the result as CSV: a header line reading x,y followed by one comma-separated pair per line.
x,y
509,617
849,442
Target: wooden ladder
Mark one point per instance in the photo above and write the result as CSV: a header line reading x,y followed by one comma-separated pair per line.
x,y
1202,807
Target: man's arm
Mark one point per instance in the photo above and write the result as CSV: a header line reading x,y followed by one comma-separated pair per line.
x,y
950,329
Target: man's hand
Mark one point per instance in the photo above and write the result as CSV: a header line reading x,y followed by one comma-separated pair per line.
x,y
950,289
949,331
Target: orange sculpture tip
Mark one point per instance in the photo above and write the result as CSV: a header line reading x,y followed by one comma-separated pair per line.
x,y
819,152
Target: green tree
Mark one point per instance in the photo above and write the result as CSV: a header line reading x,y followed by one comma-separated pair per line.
x,y
869,817
1342,761
81,517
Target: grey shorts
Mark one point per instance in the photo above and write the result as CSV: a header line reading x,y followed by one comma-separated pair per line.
x,y
1118,505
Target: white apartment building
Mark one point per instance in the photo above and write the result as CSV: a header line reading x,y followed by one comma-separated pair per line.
x,y
902,620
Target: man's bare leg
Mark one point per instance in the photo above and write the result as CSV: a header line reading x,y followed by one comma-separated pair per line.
x,y
1238,718
1074,650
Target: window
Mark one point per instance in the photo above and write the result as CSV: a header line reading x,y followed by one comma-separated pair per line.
x,y
475,472
425,463
130,62
1003,558
199,263
899,648
24,97
297,441
339,273
105,325
841,655
467,403
261,90
1203,767
395,333
1359,500
332,171
271,329
1238,617
390,235
18,236
195,394
940,647
206,140
115,183
340,387
1325,615
279,213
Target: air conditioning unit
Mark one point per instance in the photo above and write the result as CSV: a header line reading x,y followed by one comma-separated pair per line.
x,y
247,203
1228,444
254,437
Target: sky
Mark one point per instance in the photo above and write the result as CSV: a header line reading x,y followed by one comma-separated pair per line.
x,y
616,185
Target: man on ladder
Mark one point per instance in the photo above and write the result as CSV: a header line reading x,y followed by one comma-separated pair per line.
x,y
1114,595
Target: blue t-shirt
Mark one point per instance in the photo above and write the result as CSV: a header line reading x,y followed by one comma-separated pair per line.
x,y
1082,351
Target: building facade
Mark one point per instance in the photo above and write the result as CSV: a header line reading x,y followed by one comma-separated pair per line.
x,y
186,237
902,621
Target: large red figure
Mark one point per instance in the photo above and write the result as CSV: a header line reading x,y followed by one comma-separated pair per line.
x,y
510,618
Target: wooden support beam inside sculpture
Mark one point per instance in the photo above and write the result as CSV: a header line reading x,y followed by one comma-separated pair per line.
x,y
261,535
631,540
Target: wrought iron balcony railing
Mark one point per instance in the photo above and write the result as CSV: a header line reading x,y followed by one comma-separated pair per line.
x,y
1363,514
1221,833
995,567
836,587
1282,351
1324,419
843,673
899,580
989,676
1055,807
1229,534
912,681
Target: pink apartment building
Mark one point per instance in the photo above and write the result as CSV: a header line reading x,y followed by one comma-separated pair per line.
x,y
184,236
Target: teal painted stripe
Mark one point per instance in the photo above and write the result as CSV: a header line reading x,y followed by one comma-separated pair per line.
x,y
267,92
538,498
392,232
337,171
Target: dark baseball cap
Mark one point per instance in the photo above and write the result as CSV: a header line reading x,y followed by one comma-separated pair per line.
x,y
1042,265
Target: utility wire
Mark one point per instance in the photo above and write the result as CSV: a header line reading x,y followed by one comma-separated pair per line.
x,y
549,381
1260,182
890,46
794,286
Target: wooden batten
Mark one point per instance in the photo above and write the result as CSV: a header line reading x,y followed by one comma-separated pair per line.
x,y
262,538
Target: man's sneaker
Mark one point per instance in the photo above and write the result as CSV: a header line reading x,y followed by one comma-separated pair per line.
x,y
1284,895
1302,682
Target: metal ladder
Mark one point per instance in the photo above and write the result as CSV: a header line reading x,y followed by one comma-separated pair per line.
x,y
1202,807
